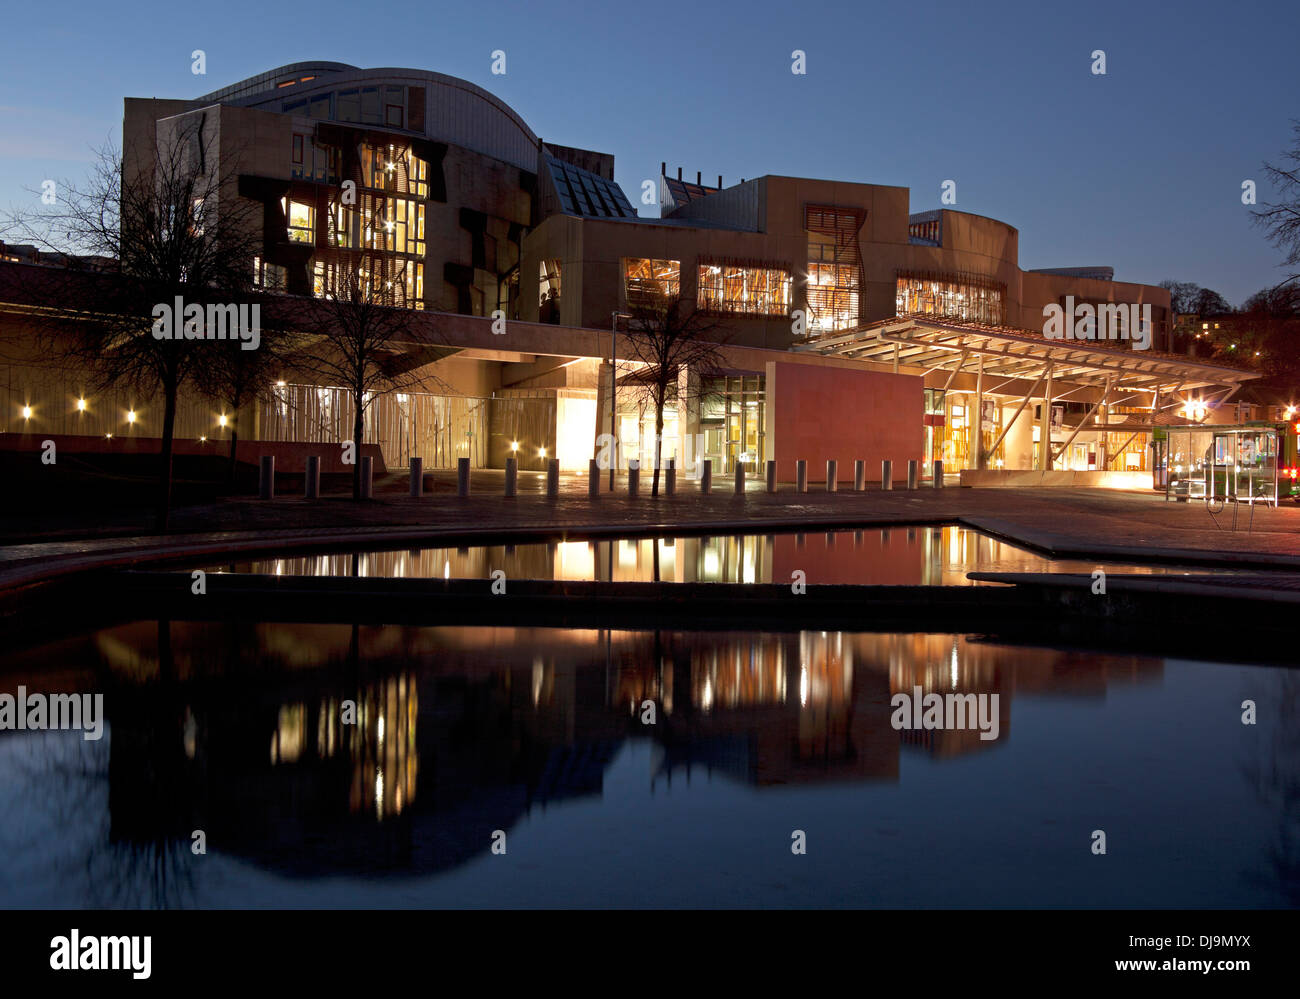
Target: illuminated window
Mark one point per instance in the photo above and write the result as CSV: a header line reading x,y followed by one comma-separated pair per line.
x,y
753,290
968,298
548,278
834,267
394,168
343,222
270,276
301,218
649,281
380,279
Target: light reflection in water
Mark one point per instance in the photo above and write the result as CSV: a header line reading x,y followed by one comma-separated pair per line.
x,y
392,749
912,556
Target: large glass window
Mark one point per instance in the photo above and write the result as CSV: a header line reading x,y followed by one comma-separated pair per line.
x,y
394,168
392,224
753,290
649,281
969,299
391,281
834,268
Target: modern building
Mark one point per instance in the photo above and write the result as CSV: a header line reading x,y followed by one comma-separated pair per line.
x,y
856,327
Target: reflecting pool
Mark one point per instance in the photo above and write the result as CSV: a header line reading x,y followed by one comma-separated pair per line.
x,y
908,556
336,765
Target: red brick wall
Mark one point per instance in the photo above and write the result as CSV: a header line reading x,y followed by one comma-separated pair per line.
x,y
820,412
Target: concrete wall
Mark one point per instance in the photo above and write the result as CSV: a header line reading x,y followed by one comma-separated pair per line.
x,y
818,413
991,478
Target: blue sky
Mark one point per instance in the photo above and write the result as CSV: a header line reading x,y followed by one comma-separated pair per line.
x,y
1140,169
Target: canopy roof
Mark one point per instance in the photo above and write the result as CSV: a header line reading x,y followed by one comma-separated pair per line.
x,y
1008,352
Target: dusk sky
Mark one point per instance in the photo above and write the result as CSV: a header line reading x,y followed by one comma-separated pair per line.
x,y
1140,169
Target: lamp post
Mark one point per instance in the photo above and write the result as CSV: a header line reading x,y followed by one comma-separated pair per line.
x,y
613,392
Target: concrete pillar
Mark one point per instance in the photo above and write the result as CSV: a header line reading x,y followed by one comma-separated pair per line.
x,y
670,477
512,477
1045,427
859,475
417,477
462,476
552,478
938,475
913,469
706,476
633,476
367,476
832,475
593,478
887,474
801,476
311,481
771,476
740,478
266,477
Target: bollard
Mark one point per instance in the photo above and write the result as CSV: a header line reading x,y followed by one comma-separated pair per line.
x,y
740,478
706,476
552,478
462,476
938,475
367,476
417,477
266,477
771,476
593,478
832,475
886,474
859,475
512,477
912,466
801,476
670,477
311,481
633,476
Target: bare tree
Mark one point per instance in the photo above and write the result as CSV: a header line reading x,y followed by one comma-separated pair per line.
x,y
669,336
174,222
1281,220
370,341
1182,295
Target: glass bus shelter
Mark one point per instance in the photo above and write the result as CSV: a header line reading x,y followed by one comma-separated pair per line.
x,y
1237,464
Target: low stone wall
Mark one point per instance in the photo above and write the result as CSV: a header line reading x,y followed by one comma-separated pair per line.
x,y
1006,478
290,456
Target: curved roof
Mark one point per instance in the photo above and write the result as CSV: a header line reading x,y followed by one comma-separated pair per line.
x,y
456,110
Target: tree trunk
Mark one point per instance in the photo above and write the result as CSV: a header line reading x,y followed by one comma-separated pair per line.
x,y
659,445
234,444
358,427
165,469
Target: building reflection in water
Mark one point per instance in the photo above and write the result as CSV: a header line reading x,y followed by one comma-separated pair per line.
x,y
903,556
379,741
240,729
